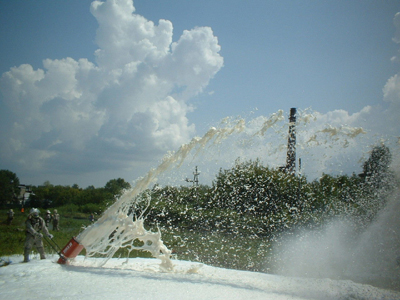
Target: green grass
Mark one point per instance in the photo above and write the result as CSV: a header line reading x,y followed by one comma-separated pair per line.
x,y
234,251
12,237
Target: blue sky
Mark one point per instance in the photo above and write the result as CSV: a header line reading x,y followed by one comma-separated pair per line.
x,y
237,58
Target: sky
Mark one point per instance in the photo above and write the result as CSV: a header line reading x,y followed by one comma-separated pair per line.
x,y
142,279
93,90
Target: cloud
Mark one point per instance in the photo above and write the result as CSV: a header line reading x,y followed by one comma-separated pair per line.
x,y
126,38
396,38
396,22
391,90
129,105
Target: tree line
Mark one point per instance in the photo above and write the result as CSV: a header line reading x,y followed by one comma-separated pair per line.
x,y
251,198
248,197
235,221
47,195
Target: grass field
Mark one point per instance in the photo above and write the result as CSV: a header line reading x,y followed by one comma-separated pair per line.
x,y
210,247
12,237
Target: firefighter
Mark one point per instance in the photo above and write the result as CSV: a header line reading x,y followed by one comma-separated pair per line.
x,y
56,220
10,217
34,224
47,218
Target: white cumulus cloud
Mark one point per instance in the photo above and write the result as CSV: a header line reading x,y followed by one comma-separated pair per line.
x,y
128,105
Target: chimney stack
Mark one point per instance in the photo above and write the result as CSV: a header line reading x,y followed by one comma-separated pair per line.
x,y
291,148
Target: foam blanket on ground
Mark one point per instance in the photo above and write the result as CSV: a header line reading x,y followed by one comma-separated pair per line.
x,y
142,279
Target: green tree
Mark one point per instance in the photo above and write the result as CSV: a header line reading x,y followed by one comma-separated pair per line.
x,y
117,186
376,168
252,188
9,183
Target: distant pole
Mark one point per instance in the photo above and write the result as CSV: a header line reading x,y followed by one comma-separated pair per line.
x,y
195,178
299,174
291,148
195,181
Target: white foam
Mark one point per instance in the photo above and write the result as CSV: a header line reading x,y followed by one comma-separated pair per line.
x,y
119,227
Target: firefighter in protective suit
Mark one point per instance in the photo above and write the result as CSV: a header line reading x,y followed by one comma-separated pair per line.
x,y
35,224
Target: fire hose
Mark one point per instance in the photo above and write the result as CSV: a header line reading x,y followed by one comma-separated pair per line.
x,y
55,247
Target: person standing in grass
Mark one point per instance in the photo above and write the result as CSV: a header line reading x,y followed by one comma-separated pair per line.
x,y
34,224
10,217
56,220
47,218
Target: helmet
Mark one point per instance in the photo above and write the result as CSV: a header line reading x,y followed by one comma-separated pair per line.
x,y
35,212
55,211
48,212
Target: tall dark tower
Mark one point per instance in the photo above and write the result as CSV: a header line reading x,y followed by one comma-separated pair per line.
x,y
291,148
